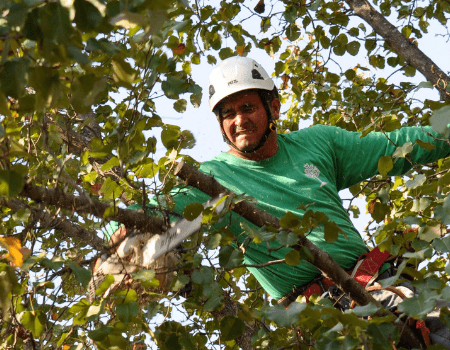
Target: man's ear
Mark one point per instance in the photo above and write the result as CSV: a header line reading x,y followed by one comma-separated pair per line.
x,y
275,106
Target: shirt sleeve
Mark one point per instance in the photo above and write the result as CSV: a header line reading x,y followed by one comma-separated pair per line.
x,y
357,157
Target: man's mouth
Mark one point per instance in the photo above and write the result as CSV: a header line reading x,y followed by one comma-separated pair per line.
x,y
240,132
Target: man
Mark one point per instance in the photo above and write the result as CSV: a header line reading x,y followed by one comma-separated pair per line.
x,y
284,171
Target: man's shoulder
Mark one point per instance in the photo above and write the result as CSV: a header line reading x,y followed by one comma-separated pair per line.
x,y
216,162
313,131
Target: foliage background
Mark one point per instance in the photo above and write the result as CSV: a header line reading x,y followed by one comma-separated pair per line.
x,y
87,127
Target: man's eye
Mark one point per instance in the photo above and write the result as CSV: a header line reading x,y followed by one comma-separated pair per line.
x,y
248,109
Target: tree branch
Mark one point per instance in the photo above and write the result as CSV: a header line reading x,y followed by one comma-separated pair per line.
x,y
321,259
130,218
398,42
67,228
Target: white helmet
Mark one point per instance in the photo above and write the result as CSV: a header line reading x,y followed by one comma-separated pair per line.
x,y
237,74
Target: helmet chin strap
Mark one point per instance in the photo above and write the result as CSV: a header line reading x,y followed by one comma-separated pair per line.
x,y
270,127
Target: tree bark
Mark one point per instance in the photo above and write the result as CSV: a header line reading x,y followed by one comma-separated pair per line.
x,y
321,259
398,42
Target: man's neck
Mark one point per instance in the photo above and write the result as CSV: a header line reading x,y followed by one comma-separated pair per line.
x,y
268,150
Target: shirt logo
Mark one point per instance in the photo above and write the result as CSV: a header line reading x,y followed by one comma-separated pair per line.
x,y
312,172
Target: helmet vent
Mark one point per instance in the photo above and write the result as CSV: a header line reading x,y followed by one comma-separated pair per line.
x,y
256,75
211,91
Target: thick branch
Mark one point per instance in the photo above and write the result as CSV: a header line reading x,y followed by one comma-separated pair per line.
x,y
67,228
398,42
130,218
321,259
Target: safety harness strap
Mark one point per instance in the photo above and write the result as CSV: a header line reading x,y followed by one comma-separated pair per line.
x,y
369,265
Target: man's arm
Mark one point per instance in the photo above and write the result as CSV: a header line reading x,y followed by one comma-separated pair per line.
x,y
357,158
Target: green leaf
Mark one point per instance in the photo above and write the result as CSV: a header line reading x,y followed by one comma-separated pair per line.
x,y
101,333
385,165
62,339
109,279
442,245
287,238
442,211
87,16
192,211
81,274
11,183
114,161
231,327
331,231
127,311
180,105
425,145
419,305
418,180
421,204
429,232
90,177
350,74
425,84
322,96
229,257
409,71
172,342
17,15
370,45
94,311
34,321
126,296
293,258
257,235
402,151
14,77
289,220
225,53
56,26
147,170
285,317
170,136
173,86
144,275
86,91
364,311
4,109
215,300
123,74
204,275
110,189
440,120
353,47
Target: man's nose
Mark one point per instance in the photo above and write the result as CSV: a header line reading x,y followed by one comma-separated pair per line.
x,y
240,118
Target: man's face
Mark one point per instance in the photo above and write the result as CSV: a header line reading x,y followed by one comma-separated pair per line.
x,y
244,120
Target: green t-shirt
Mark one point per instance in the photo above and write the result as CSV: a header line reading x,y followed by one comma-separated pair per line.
x,y
311,166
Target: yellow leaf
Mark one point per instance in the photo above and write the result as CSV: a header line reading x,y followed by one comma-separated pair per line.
x,y
66,347
14,248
